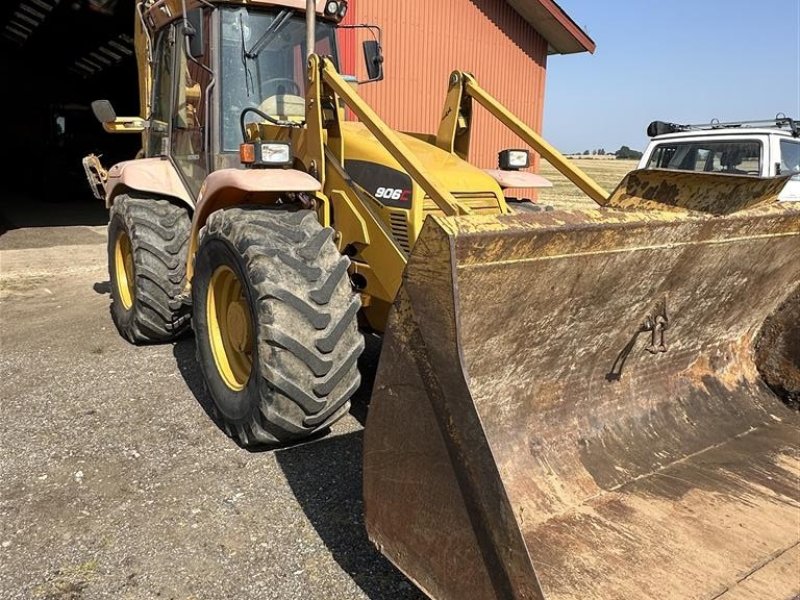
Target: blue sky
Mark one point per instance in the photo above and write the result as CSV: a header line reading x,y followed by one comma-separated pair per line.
x,y
672,60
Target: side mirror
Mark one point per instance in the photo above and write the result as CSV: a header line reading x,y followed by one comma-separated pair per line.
x,y
104,111
195,32
374,58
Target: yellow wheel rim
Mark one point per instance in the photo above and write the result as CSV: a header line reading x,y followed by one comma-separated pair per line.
x,y
123,269
229,328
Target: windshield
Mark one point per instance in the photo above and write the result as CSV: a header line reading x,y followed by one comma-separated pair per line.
x,y
264,65
740,157
790,157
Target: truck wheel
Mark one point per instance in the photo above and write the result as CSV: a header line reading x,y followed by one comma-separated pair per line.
x,y
148,241
275,318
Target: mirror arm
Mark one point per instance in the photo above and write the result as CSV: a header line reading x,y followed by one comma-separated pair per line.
x,y
377,37
126,125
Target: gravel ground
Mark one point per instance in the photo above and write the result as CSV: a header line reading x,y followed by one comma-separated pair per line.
x,y
115,483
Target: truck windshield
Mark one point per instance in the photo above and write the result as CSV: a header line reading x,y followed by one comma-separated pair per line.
x,y
790,157
264,65
740,157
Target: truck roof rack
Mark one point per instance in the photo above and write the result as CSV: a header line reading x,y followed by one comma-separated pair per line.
x,y
781,121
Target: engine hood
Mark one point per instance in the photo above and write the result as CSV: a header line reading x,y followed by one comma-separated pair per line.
x,y
458,176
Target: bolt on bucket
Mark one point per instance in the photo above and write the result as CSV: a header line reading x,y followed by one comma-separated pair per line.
x,y
568,406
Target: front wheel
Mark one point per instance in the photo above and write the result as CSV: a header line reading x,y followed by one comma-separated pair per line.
x,y
275,318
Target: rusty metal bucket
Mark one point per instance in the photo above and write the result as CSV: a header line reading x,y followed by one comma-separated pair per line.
x,y
568,406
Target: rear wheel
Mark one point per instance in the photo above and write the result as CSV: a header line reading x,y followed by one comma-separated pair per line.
x,y
275,318
148,241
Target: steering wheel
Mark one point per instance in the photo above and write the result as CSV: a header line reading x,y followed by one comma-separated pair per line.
x,y
293,88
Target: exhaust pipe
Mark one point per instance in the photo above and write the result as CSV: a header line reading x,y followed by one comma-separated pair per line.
x,y
311,27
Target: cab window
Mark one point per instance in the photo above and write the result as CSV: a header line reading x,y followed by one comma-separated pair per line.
x,y
264,62
189,151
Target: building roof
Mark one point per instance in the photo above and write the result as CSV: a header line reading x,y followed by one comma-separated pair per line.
x,y
563,35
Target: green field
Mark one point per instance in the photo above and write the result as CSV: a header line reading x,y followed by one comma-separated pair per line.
x,y
563,194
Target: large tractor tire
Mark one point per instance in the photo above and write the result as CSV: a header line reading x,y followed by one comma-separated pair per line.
x,y
275,318
148,241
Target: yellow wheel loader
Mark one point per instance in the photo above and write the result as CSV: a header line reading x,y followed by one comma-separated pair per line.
x,y
568,405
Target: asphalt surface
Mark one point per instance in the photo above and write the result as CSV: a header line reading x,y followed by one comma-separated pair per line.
x,y
115,482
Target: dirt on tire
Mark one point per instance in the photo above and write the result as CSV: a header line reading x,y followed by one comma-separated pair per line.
x,y
159,234
305,330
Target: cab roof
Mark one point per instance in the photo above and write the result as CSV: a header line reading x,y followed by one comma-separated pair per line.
x,y
158,13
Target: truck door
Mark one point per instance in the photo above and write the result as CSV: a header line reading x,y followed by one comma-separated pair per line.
x,y
790,163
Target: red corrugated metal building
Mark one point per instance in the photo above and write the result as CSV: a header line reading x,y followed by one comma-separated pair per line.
x,y
504,43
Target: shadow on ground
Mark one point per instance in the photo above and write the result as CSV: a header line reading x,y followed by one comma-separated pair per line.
x,y
326,478
23,211
184,352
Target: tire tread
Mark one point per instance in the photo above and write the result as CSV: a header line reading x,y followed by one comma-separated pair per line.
x,y
308,338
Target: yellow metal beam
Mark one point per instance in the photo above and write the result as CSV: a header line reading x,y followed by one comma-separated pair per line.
x,y
585,183
392,142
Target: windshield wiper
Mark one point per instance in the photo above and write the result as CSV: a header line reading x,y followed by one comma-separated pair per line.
x,y
280,21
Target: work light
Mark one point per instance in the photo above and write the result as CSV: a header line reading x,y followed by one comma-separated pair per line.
x,y
514,160
336,9
266,154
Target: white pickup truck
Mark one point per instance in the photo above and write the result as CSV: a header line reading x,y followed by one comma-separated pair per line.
x,y
757,148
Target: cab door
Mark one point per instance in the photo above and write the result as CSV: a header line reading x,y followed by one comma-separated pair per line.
x,y
191,114
161,105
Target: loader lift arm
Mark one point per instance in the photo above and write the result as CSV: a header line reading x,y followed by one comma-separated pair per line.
x,y
323,73
455,131
353,208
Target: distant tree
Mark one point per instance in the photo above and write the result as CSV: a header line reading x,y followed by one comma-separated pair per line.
x,y
594,152
601,152
626,153
586,153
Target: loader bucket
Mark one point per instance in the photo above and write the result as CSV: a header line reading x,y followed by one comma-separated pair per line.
x,y
713,193
568,406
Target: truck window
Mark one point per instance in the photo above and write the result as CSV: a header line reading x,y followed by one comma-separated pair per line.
x,y
735,157
790,157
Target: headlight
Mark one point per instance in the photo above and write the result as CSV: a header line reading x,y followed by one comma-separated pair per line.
x,y
514,160
266,154
276,154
